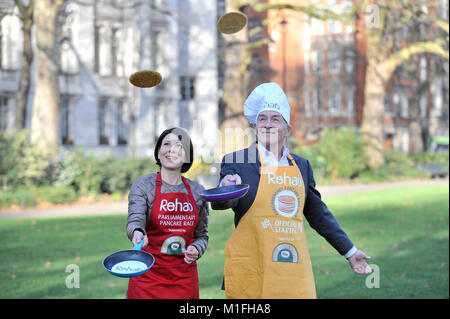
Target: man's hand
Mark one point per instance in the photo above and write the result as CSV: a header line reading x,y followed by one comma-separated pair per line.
x,y
358,263
231,180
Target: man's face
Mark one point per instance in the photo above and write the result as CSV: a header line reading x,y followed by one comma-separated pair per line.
x,y
272,129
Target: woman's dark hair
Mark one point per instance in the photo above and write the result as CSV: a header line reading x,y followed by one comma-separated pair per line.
x,y
185,140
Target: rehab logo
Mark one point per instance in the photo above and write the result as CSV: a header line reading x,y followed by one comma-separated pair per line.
x,y
184,207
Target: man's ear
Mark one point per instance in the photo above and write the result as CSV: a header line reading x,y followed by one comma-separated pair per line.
x,y
289,129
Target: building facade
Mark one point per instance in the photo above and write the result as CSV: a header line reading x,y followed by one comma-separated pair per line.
x,y
101,44
321,65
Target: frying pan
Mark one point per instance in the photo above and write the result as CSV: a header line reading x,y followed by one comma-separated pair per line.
x,y
224,193
129,263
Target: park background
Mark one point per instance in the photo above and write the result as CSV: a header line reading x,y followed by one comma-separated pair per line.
x,y
367,83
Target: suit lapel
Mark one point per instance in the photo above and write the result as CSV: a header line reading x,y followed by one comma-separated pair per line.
x,y
253,159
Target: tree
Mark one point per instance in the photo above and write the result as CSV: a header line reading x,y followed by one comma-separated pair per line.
x,y
383,59
380,23
26,16
44,122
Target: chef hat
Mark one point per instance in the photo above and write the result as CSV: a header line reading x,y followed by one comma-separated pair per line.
x,y
266,97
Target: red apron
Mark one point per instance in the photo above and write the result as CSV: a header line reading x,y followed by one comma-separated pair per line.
x,y
170,230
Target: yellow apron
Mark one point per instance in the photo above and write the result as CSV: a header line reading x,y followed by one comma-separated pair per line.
x,y
267,256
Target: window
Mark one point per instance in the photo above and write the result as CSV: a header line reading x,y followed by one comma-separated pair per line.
x,y
317,102
395,104
107,48
350,100
334,62
316,61
155,53
120,123
423,69
349,64
105,51
334,101
255,65
443,9
65,120
116,64
10,43
387,103
306,62
404,104
69,64
349,50
253,33
68,25
423,106
317,27
334,26
103,132
307,102
306,37
3,113
187,87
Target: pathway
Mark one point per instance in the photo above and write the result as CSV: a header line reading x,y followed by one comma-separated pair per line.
x,y
121,207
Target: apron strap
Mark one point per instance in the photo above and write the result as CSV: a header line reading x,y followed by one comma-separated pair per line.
x,y
187,186
291,159
159,183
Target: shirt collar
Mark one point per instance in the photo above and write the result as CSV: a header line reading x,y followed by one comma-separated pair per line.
x,y
270,159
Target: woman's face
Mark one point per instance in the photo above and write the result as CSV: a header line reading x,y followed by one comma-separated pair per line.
x,y
171,154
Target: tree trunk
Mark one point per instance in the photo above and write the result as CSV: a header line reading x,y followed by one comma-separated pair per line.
x,y
233,124
44,122
377,75
373,116
27,58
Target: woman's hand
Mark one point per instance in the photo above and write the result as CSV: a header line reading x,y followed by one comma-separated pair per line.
x,y
191,254
137,237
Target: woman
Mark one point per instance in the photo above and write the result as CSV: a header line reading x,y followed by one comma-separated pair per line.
x,y
166,211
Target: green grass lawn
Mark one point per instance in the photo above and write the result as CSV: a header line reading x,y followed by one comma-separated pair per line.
x,y
405,230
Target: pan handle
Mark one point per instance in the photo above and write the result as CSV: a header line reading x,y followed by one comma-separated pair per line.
x,y
138,246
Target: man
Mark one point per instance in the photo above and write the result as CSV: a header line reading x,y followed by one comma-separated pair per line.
x,y
267,255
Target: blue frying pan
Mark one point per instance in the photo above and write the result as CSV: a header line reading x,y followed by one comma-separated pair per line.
x,y
129,263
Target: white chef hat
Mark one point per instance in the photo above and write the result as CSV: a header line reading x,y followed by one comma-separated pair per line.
x,y
266,97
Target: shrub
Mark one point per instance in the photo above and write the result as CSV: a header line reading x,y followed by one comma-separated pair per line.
x,y
22,163
431,157
20,197
338,154
117,175
81,171
55,195
88,174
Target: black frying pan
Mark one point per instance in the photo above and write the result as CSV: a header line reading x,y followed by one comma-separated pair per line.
x,y
129,263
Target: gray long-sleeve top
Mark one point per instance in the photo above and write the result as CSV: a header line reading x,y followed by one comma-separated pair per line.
x,y
140,202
